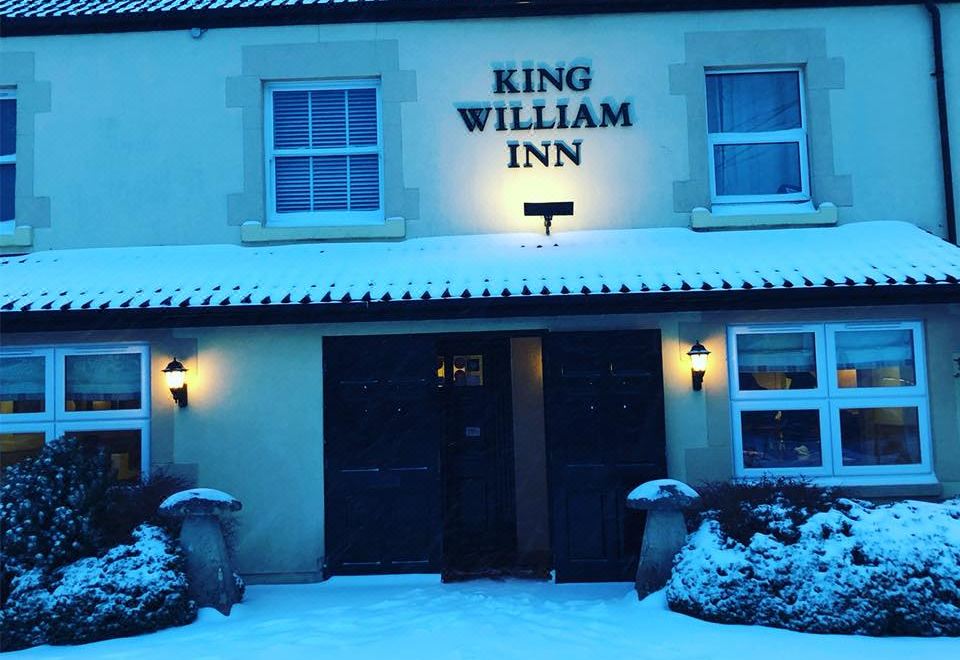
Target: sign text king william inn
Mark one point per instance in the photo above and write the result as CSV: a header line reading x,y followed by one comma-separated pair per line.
x,y
561,115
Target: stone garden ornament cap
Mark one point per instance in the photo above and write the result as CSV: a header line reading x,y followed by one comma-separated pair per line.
x,y
665,530
199,502
662,494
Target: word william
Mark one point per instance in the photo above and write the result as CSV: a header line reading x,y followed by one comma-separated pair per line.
x,y
538,117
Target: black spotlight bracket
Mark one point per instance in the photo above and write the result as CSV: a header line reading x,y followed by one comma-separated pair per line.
x,y
547,210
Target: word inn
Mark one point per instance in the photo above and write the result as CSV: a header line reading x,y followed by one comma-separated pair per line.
x,y
538,117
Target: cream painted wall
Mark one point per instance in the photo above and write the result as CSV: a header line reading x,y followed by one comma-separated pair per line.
x,y
254,426
141,148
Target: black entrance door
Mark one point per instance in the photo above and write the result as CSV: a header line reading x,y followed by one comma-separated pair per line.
x,y
479,518
603,393
382,430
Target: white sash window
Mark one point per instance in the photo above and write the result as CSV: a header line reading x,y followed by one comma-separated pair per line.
x,y
757,136
324,153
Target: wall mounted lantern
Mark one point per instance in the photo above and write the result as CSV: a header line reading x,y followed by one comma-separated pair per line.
x,y
175,374
698,364
547,210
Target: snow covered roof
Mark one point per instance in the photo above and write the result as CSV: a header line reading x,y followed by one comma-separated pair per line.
x,y
63,16
567,265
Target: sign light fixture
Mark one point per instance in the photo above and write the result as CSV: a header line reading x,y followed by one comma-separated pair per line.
x,y
547,210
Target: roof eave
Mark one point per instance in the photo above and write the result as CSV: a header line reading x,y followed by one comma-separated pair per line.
x,y
366,12
484,307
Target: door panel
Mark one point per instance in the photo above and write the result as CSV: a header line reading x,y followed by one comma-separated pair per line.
x,y
382,429
603,393
479,511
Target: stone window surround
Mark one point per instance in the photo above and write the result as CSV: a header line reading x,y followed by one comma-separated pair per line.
x,y
33,97
805,48
321,61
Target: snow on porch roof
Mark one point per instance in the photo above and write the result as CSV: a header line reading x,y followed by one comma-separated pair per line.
x,y
599,262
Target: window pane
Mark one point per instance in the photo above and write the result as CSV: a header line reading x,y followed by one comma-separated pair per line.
x,y
777,361
880,436
330,183
757,169
122,446
293,184
750,102
781,438
8,182
329,116
364,182
875,358
291,120
15,447
102,382
22,384
363,117
8,127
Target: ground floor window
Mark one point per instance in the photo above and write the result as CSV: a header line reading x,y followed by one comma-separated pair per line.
x,y
98,393
829,399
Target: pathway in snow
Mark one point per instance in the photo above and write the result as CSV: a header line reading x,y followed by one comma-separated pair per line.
x,y
416,617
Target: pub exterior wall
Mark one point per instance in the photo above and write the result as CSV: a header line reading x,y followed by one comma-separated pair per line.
x,y
146,140
254,426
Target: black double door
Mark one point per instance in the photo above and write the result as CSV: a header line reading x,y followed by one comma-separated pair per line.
x,y
603,394
418,451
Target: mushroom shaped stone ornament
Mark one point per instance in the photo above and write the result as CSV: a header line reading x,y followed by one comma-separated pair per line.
x,y
209,569
665,531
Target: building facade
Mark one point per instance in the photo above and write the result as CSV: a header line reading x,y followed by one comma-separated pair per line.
x,y
405,351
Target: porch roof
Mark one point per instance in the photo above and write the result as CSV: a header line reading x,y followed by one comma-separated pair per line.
x,y
892,256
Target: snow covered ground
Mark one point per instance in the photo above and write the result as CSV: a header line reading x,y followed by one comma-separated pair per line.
x,y
416,617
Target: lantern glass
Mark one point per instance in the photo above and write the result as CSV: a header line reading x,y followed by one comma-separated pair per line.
x,y
698,361
175,379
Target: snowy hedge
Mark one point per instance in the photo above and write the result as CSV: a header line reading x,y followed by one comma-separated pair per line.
x,y
131,589
855,568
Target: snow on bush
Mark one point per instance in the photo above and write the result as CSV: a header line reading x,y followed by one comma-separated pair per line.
x,y
855,569
131,589
49,506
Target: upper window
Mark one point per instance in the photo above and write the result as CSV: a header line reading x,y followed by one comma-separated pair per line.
x,y
98,393
324,153
8,152
835,399
757,136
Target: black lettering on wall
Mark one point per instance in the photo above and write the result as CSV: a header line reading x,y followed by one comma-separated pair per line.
x,y
503,83
474,118
610,118
579,82
563,148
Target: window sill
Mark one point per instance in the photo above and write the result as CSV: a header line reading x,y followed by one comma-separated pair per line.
x,y
255,232
739,216
21,236
877,486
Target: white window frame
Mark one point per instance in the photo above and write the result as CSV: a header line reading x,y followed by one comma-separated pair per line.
x,y
142,425
793,135
319,218
63,353
49,385
55,420
829,399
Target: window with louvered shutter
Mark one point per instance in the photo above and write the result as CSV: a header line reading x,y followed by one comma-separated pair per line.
x,y
324,153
